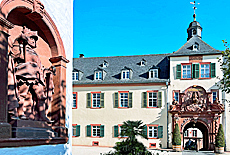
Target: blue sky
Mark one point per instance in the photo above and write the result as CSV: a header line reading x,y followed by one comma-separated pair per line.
x,y
136,27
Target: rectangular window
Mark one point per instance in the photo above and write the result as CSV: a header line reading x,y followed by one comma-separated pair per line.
x,y
74,76
125,74
186,71
76,130
152,99
96,99
176,96
74,100
153,73
204,70
96,131
186,133
215,95
123,99
194,133
98,75
152,132
152,145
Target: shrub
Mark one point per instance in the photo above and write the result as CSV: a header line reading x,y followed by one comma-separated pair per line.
x,y
220,141
176,136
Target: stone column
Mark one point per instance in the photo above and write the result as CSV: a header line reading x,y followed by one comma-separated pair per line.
x,y
58,104
5,127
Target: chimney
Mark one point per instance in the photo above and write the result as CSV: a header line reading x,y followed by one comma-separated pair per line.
x,y
81,55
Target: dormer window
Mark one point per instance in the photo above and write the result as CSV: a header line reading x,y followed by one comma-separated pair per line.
x,y
153,73
125,74
195,47
105,64
75,76
143,62
98,75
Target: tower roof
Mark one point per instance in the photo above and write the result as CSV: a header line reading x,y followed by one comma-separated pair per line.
x,y
202,49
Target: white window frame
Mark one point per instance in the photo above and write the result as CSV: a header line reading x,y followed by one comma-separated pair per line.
x,y
105,64
75,76
187,71
195,47
125,74
214,96
205,68
74,129
194,133
119,130
153,73
152,131
176,99
74,100
186,133
124,100
142,63
152,99
98,75
96,131
96,100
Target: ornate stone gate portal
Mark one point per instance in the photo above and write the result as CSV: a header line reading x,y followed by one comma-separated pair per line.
x,y
196,110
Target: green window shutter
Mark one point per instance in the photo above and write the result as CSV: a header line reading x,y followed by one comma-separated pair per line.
x,y
102,100
213,70
88,100
115,100
144,100
102,127
130,99
78,130
160,131
196,70
145,131
159,99
178,71
115,130
88,128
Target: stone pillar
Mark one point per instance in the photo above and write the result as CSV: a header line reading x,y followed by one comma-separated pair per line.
x,y
5,127
58,104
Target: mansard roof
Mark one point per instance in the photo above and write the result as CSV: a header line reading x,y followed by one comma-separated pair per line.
x,y
187,49
117,63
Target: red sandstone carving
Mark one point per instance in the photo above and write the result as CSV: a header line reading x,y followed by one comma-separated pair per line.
x,y
32,84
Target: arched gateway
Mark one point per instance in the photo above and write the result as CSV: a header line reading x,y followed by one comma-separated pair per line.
x,y
196,110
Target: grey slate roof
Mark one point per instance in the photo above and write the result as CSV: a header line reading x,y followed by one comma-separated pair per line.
x,y
116,64
186,49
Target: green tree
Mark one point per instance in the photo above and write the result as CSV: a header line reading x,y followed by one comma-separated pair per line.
x,y
130,145
225,67
220,141
176,136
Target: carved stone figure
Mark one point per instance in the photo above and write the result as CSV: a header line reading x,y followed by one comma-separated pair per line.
x,y
32,84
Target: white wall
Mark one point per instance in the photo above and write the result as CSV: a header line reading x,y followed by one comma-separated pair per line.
x,y
110,116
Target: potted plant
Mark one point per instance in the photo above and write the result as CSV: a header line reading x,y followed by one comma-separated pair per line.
x,y
176,141
220,141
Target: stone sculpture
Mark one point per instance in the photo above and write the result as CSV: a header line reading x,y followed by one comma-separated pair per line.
x,y
30,84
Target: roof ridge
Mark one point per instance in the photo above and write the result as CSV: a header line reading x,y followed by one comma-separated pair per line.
x,y
124,56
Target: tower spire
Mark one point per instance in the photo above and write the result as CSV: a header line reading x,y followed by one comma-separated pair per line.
x,y
194,8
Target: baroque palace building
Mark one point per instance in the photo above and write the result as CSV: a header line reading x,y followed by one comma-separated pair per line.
x,y
159,89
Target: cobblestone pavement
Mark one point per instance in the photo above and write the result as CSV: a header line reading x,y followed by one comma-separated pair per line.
x,y
83,150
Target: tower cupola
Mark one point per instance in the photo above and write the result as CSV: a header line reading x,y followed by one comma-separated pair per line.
x,y
194,28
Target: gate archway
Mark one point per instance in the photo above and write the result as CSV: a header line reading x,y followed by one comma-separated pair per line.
x,y
196,110
204,130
